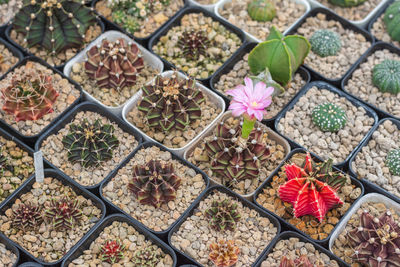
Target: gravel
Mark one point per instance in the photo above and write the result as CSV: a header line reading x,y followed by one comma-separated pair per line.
x,y
298,126
356,13
8,10
7,257
252,235
378,29
53,149
157,219
7,59
353,46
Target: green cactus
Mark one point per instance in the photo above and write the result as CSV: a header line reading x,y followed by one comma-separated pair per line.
x,y
393,161
281,55
261,10
149,256
3,2
329,117
325,43
347,3
386,76
392,20
223,215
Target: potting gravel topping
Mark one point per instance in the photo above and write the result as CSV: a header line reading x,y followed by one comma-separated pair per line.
x,y
355,10
335,145
8,8
222,43
7,59
224,253
392,19
329,117
7,257
386,76
325,43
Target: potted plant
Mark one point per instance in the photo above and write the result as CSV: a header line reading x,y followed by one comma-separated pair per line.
x,y
9,254
9,56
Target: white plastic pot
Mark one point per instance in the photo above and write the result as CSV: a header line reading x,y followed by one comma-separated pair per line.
x,y
210,8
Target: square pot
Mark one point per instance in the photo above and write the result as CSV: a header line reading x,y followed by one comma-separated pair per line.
x,y
210,7
14,51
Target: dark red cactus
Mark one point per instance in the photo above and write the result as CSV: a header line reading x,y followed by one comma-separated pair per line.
x,y
112,251
194,43
27,216
63,213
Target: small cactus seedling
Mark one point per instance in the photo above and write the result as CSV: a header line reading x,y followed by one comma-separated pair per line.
x,y
148,256
386,76
393,162
27,216
90,144
63,213
154,183
261,10
194,43
223,215
224,253
325,43
301,261
329,117
347,3
392,20
112,251
114,64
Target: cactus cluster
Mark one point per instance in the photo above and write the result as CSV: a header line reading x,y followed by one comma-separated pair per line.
x,y
112,251
154,183
325,43
114,64
90,144
63,213
386,76
329,117
55,25
302,261
194,43
27,216
224,253
29,96
261,10
223,215
392,20
171,103
347,3
148,256
393,162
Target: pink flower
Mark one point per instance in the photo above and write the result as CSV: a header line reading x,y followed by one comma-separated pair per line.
x,y
250,101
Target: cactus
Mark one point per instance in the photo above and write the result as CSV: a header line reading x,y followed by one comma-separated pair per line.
x,y
347,3
90,144
224,253
312,188
329,117
386,76
112,251
114,64
64,213
171,103
223,215
55,25
261,10
194,43
148,256
27,216
29,96
393,162
301,261
154,183
282,55
325,43
392,20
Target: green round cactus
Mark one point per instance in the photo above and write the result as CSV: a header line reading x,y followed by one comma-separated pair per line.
x,y
325,43
393,161
392,20
329,117
347,3
386,76
261,10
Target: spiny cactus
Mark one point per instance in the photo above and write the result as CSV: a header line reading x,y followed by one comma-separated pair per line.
x,y
325,43
347,3
329,117
392,20
301,261
171,103
393,161
27,216
154,183
148,256
194,43
112,251
114,64
63,213
223,215
90,144
312,188
29,96
224,253
55,25
261,10
376,242
386,76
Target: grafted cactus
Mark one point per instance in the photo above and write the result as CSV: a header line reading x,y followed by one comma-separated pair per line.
x,y
63,213
112,251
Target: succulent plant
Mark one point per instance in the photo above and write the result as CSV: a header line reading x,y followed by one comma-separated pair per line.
x,y
393,161
325,43
148,256
130,24
171,103
63,213
55,25
282,55
154,183
312,188
4,163
224,253
223,215
376,242
27,216
261,10
112,251
194,43
29,97
329,117
114,64
90,144
392,20
2,2
347,3
386,76
301,261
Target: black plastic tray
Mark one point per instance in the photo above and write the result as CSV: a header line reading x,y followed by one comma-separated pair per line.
x,y
323,242
94,233
346,24
30,140
30,264
87,106
177,21
10,246
376,16
13,50
66,181
323,85
230,193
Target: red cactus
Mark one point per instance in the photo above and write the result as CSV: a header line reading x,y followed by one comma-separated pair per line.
x,y
224,253
301,261
112,251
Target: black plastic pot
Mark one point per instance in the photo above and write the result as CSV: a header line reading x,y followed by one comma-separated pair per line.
x,y
13,50
116,209
230,193
289,234
30,140
10,246
346,24
94,233
87,106
377,15
323,242
177,21
323,85
376,47
228,66
68,182
30,264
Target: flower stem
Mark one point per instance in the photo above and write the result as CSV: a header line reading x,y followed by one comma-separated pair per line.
x,y
248,125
